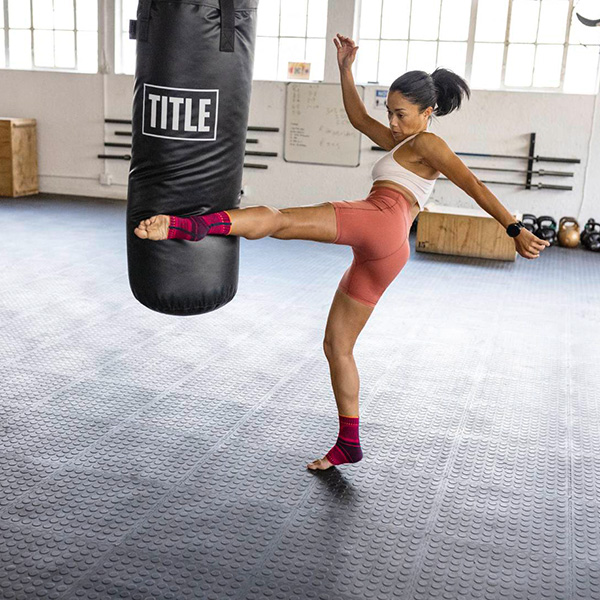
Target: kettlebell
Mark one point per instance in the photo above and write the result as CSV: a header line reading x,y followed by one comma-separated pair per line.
x,y
546,229
529,222
590,236
568,232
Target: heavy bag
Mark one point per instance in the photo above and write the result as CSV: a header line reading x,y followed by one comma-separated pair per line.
x,y
191,99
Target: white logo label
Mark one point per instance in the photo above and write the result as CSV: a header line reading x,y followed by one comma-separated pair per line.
x,y
180,114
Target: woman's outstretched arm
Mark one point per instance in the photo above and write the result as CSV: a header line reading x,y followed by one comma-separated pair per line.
x,y
437,154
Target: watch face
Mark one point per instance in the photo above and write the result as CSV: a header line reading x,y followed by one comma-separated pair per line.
x,y
513,230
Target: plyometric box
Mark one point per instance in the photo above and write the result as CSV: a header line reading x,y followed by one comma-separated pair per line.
x,y
18,157
463,232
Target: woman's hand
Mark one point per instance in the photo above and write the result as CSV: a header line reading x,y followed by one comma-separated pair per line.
x,y
529,245
346,51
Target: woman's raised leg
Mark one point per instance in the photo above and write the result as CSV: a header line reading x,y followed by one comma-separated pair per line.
x,y
315,222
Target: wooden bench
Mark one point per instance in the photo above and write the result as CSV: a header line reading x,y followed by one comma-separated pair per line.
x,y
18,157
463,232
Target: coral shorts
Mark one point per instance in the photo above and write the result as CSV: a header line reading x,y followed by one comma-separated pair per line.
x,y
377,229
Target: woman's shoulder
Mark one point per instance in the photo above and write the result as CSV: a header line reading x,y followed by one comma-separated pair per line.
x,y
426,142
426,137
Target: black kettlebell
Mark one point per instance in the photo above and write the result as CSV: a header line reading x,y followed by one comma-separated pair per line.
x,y
547,229
529,222
590,236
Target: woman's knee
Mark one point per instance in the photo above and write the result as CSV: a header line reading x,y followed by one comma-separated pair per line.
x,y
271,220
336,348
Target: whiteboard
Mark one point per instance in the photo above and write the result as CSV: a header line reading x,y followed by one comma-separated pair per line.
x,y
317,128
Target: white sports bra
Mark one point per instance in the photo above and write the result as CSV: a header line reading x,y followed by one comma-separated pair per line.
x,y
387,168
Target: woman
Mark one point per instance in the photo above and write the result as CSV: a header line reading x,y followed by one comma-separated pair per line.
x,y
376,228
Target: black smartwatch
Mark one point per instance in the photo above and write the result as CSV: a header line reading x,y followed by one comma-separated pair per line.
x,y
514,229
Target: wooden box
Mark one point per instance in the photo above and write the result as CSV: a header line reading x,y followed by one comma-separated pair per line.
x,y
18,157
463,232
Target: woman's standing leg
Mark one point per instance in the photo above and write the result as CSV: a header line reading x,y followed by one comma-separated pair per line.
x,y
347,318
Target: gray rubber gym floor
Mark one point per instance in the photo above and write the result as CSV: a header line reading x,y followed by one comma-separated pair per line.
x,y
147,456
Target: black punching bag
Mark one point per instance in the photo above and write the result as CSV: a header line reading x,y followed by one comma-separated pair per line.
x,y
191,100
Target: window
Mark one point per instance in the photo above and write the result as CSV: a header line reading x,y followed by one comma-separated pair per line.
x,y
396,36
125,48
535,45
287,31
290,31
49,34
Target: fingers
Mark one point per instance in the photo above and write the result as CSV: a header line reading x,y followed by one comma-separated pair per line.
x,y
530,252
345,40
532,246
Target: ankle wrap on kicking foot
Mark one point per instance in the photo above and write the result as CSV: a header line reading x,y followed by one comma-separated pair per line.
x,y
347,448
197,227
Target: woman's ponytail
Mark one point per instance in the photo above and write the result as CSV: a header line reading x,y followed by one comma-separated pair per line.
x,y
450,89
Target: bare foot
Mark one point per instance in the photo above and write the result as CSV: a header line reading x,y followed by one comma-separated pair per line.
x,y
319,465
154,228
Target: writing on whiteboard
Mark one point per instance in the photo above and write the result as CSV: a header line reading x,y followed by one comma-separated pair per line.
x,y
317,128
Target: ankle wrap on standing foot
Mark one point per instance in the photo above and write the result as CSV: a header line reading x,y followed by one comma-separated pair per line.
x,y
347,448
197,227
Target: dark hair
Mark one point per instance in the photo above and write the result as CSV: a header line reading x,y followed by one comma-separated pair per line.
x,y
443,90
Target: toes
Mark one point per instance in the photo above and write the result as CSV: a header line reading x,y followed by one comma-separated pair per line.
x,y
320,464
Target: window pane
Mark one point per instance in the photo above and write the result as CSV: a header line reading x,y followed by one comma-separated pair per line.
x,y
453,56
519,65
63,14
43,48
456,15
486,70
553,21
19,42
317,18
19,14
425,20
64,49
396,16
43,15
491,20
315,55
548,61
366,61
524,21
290,50
370,20
265,58
87,15
267,17
129,12
127,54
581,70
87,51
422,56
293,19
392,61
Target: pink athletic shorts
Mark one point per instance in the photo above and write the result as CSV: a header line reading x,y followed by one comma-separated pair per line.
x,y
377,229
